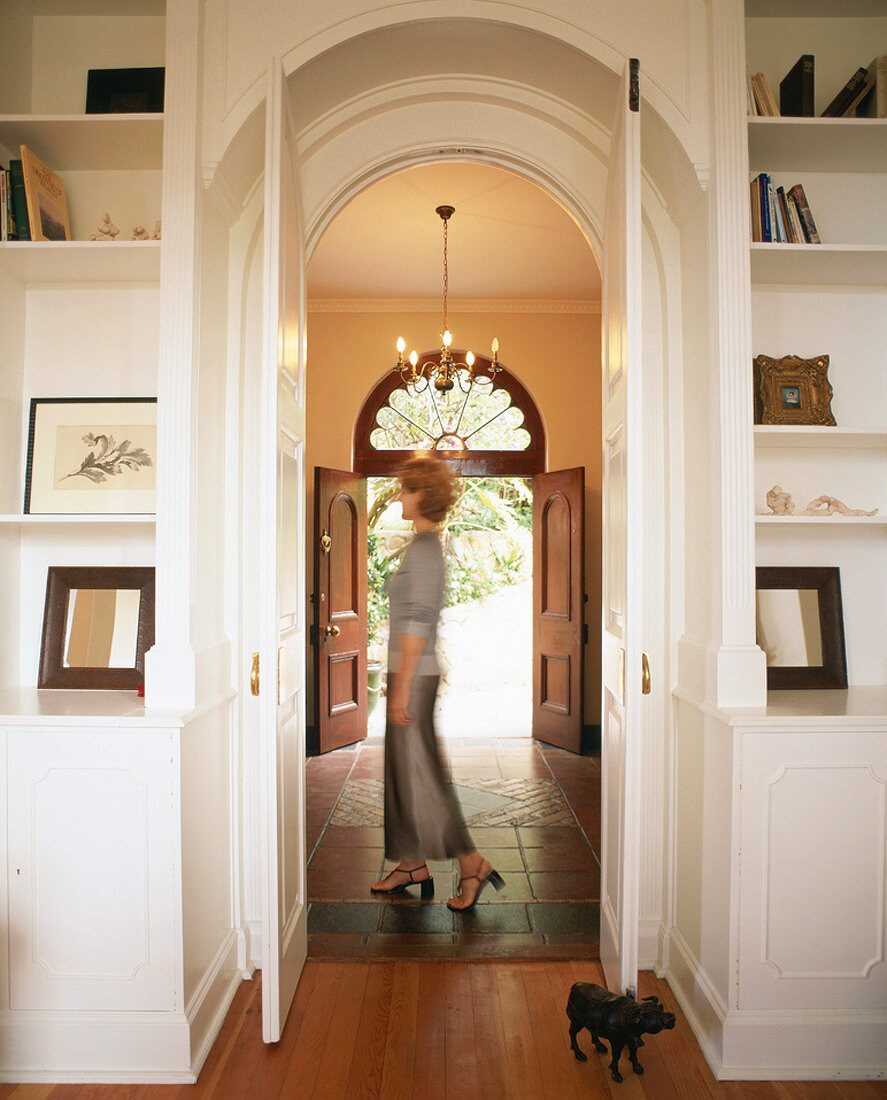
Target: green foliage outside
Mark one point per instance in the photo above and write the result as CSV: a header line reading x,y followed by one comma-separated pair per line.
x,y
488,536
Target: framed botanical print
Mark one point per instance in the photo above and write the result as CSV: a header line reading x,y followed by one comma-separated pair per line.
x,y
792,390
91,456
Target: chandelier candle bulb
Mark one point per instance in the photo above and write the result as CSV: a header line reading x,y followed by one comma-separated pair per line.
x,y
469,358
447,338
414,357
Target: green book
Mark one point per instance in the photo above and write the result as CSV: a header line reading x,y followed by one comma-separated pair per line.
x,y
19,202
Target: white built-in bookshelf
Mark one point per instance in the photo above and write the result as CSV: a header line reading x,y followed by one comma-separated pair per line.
x,y
77,318
810,300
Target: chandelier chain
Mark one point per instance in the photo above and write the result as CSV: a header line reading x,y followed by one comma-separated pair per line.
x,y
446,275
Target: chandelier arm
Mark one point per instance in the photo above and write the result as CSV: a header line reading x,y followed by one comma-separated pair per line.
x,y
485,423
433,400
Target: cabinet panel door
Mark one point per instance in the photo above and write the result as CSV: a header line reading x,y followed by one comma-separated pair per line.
x,y
91,863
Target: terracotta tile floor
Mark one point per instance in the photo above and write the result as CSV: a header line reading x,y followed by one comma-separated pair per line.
x,y
533,810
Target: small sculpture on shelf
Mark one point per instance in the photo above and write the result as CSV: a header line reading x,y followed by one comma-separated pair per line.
x,y
155,232
106,230
779,502
829,506
139,233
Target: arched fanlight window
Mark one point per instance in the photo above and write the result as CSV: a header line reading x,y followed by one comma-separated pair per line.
x,y
494,428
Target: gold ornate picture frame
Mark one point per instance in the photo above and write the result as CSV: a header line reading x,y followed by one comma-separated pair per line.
x,y
792,390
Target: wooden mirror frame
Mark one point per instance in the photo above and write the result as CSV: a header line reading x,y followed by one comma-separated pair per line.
x,y
60,581
826,580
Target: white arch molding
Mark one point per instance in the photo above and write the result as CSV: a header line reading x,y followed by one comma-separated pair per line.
x,y
238,176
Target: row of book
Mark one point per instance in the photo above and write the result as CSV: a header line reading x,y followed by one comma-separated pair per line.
x,y
864,94
780,216
32,201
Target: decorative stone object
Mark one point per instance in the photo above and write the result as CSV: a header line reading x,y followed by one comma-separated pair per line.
x,y
620,1020
139,233
829,506
779,502
106,230
155,232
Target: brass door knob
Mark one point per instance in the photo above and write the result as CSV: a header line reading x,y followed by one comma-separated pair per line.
x,y
332,631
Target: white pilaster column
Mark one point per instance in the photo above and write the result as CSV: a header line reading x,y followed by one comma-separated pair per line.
x,y
738,674
170,664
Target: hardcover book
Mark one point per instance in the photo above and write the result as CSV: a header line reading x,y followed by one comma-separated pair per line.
x,y
45,193
839,104
19,202
804,213
796,89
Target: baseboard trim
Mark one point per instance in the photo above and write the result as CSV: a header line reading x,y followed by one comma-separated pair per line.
x,y
211,1000
777,1044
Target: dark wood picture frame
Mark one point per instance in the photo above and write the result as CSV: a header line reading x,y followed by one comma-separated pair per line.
x,y
125,91
806,380
826,580
60,581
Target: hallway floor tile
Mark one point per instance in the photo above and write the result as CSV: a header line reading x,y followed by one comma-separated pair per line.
x,y
531,808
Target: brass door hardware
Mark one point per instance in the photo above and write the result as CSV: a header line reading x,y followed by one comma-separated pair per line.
x,y
254,675
325,541
645,674
332,631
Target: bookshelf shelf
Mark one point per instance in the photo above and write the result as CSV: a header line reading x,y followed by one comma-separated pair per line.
x,y
88,142
804,436
817,144
81,261
52,521
821,521
819,264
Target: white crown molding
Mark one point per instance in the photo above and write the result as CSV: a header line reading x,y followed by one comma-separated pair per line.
x,y
465,305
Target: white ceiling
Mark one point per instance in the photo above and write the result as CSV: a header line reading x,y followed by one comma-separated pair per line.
x,y
507,240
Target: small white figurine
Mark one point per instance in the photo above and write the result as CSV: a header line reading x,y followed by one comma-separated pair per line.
x,y
780,503
155,235
106,230
828,506
139,233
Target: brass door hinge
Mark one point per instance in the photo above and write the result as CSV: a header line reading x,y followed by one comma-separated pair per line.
x,y
646,685
254,675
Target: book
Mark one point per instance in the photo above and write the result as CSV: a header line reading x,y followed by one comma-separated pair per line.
x,y
805,215
796,89
776,214
764,97
837,106
782,203
874,104
4,205
755,194
45,193
751,105
795,221
850,109
763,182
19,201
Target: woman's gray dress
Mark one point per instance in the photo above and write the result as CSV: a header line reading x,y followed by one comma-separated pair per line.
x,y
423,819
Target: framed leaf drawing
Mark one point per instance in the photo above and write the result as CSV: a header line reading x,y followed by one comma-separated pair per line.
x,y
91,456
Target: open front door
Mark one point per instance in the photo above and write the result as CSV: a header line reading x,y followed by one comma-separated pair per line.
x,y
281,672
558,606
340,608
621,598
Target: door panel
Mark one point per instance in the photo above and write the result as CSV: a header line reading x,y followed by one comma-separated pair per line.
x,y
340,608
281,573
558,606
621,595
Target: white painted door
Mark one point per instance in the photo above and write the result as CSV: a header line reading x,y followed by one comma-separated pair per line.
x,y
621,602
282,542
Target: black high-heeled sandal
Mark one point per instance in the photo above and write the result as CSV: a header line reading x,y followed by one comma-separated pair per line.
x,y
426,885
493,877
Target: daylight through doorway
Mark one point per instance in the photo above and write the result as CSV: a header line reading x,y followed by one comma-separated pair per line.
x,y
485,632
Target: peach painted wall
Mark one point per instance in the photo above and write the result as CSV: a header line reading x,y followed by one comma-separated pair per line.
x,y
556,356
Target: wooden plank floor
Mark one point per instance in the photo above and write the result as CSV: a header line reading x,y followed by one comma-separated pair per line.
x,y
442,1030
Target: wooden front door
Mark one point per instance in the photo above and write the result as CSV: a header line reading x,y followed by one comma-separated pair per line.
x,y
558,606
340,608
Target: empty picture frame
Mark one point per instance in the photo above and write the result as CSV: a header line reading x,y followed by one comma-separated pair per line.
x,y
98,623
800,626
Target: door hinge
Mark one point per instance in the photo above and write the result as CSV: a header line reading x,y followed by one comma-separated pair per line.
x,y
585,633
312,634
634,92
646,682
254,675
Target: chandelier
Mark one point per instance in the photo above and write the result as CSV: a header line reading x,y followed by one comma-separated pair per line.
x,y
449,371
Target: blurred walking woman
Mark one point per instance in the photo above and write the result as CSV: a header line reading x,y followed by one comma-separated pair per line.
x,y
423,819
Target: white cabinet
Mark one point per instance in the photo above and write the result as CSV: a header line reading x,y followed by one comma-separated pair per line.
x,y
91,870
